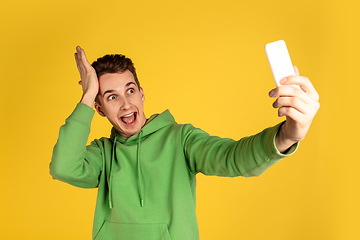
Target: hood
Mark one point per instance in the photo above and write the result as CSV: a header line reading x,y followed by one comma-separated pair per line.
x,y
153,124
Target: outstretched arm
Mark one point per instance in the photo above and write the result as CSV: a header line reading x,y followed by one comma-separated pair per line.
x,y
298,105
89,80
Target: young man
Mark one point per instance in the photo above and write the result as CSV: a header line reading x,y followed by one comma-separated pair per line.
x,y
145,172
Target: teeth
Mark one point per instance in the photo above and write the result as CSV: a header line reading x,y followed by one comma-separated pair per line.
x,y
128,115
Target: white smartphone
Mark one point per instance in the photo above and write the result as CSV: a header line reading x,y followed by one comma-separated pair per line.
x,y
279,60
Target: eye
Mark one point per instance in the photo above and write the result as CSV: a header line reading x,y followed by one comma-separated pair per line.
x,y
131,91
111,97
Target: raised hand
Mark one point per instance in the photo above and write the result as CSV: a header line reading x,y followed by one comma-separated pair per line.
x,y
298,105
89,80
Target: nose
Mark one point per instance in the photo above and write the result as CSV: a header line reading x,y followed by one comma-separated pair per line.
x,y
125,105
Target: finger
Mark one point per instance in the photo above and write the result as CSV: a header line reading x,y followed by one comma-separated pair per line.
x,y
285,91
83,58
296,70
78,49
304,84
293,102
82,62
77,62
78,53
291,113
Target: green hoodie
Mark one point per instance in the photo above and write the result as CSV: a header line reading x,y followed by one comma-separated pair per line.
x,y
146,183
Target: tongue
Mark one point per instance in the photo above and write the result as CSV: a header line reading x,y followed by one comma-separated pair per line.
x,y
129,119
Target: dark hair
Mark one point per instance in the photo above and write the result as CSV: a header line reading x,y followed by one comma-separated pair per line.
x,y
114,63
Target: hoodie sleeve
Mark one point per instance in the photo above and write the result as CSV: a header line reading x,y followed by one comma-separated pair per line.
x,y
73,162
249,156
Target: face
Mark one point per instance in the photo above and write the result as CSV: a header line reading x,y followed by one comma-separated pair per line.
x,y
121,102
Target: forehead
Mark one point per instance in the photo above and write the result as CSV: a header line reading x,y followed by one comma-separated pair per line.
x,y
115,81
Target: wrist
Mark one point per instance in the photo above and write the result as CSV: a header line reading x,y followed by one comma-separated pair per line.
x,y
88,99
282,142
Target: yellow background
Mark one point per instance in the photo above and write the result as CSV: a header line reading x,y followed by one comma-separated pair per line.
x,y
203,60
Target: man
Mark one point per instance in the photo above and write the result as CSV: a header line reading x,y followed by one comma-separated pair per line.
x,y
145,172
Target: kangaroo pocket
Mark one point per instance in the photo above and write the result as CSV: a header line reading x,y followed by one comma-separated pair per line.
x,y
133,231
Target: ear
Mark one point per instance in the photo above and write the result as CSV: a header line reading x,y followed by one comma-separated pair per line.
x,y
142,94
99,110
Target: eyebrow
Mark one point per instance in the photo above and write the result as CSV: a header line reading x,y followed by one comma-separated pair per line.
x,y
129,83
111,91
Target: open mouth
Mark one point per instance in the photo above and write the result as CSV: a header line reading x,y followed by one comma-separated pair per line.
x,y
129,119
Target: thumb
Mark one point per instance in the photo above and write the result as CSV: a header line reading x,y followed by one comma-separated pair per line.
x,y
296,70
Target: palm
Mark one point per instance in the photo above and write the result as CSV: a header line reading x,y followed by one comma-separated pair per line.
x,y
89,81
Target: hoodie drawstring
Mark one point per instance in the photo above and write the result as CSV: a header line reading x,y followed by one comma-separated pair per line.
x,y
111,172
140,177
140,180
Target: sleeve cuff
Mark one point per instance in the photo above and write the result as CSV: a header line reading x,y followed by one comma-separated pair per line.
x,y
270,148
82,114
